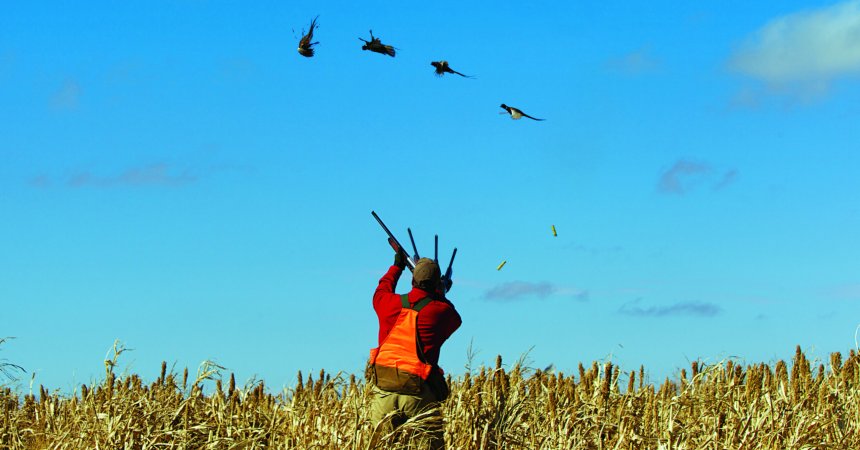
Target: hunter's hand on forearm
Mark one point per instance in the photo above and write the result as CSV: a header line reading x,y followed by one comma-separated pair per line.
x,y
400,260
447,283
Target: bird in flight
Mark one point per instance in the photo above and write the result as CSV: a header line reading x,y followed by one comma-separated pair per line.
x,y
375,45
442,68
305,44
516,113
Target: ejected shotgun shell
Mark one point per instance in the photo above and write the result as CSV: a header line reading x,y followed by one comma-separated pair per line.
x,y
502,265
553,231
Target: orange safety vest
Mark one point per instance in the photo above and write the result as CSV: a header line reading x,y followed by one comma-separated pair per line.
x,y
397,365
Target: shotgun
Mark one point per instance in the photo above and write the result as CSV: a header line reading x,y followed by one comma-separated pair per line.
x,y
447,281
392,241
410,260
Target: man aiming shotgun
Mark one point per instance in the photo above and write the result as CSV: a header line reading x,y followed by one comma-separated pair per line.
x,y
404,369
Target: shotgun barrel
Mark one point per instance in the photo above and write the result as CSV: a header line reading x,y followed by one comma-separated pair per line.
x,y
449,271
447,281
414,248
393,240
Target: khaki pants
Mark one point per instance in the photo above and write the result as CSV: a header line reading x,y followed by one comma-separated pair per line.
x,y
391,410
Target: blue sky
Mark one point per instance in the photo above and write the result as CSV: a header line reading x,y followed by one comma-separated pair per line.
x,y
174,175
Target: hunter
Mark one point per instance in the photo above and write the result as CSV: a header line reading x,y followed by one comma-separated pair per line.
x,y
404,370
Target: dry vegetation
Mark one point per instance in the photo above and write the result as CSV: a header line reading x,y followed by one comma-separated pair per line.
x,y
799,405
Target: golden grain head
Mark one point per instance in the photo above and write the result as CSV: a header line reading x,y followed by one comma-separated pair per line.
x,y
731,406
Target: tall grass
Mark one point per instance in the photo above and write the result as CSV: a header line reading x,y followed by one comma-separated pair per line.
x,y
795,405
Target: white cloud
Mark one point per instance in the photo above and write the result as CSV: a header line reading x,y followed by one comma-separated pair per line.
x,y
684,176
844,292
803,52
729,177
701,309
40,181
519,290
153,175
677,179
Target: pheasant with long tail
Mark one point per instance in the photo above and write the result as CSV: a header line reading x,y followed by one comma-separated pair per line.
x,y
305,45
516,113
442,68
376,45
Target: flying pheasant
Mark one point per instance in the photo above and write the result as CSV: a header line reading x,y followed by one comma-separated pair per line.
x,y
305,45
442,68
516,113
375,45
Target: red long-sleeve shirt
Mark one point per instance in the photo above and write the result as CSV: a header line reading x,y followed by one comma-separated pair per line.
x,y
436,322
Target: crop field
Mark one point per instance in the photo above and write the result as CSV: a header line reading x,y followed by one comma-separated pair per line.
x,y
726,405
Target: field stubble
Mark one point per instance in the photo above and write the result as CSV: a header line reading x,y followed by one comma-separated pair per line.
x,y
720,406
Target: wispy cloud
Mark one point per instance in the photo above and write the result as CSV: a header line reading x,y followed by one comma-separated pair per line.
x,y
521,290
40,181
700,309
677,179
634,63
828,315
156,174
800,54
843,292
159,174
729,177
67,97
685,175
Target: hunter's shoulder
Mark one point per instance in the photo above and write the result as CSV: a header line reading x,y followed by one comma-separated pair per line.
x,y
442,303
445,311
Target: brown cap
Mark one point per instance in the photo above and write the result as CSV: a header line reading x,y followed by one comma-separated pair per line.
x,y
427,275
